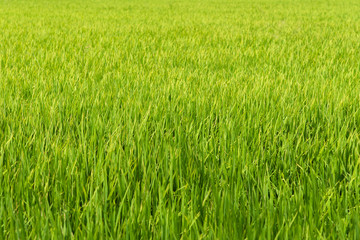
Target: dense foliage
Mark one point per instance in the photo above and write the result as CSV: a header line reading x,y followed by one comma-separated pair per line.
x,y
179,119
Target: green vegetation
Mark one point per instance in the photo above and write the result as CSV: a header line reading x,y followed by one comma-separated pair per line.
x,y
180,119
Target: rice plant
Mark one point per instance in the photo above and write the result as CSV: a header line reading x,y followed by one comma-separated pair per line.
x,y
179,119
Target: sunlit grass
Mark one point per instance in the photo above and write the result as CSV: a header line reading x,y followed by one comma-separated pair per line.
x,y
179,119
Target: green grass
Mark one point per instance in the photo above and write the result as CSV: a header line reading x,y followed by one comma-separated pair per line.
x,y
180,119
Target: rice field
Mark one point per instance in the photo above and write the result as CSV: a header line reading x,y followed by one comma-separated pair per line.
x,y
218,119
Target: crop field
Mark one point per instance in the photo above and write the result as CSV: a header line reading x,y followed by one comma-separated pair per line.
x,y
219,119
